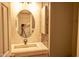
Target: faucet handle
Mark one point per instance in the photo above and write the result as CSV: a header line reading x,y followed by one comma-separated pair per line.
x,y
25,41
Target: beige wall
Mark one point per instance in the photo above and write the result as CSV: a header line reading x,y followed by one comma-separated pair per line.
x,y
1,38
61,25
45,23
44,17
14,36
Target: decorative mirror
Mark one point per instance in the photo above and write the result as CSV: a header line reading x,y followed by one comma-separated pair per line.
x,y
25,23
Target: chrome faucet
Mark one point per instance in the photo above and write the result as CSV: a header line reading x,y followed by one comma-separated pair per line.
x,y
25,41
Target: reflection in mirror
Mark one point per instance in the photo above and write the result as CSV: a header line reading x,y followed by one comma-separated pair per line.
x,y
26,23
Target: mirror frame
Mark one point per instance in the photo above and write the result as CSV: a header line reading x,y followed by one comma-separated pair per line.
x,y
32,23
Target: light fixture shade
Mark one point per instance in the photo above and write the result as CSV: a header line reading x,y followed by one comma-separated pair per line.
x,y
24,5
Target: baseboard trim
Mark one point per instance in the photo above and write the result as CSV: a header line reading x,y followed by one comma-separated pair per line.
x,y
7,54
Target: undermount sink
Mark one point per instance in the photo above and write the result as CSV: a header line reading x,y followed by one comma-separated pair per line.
x,y
29,47
25,46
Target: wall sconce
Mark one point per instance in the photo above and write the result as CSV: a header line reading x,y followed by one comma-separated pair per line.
x,y
24,4
32,6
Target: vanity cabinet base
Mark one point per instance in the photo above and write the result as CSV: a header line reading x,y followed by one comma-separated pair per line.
x,y
31,54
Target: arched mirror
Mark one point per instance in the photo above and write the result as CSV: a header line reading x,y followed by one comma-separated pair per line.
x,y
26,23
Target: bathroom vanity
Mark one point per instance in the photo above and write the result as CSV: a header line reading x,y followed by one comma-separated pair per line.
x,y
28,33
31,49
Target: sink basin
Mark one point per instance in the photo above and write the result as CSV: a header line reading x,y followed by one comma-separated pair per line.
x,y
28,48
25,46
